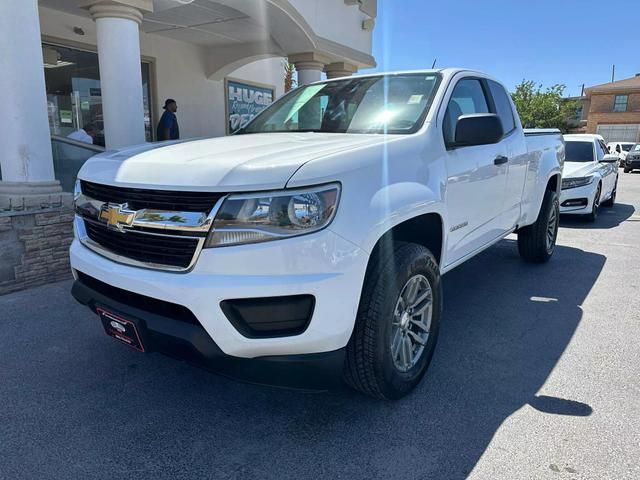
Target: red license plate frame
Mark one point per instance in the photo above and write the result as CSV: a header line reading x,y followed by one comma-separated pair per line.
x,y
120,328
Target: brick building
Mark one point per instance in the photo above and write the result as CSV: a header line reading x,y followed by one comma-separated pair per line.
x,y
613,110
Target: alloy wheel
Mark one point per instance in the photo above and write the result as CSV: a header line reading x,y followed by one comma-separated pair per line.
x,y
411,324
552,228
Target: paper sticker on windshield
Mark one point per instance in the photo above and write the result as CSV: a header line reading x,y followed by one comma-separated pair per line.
x,y
415,99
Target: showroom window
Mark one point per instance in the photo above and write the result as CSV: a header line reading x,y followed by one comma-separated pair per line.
x,y
620,103
74,95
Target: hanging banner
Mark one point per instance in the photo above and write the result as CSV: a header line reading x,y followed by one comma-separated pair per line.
x,y
244,100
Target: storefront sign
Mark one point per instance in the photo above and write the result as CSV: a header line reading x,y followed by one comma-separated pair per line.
x,y
66,116
244,101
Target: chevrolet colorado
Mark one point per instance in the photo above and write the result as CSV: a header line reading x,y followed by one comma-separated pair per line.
x,y
311,244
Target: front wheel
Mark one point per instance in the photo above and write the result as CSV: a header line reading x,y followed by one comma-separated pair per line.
x,y
591,217
397,324
537,242
626,170
612,199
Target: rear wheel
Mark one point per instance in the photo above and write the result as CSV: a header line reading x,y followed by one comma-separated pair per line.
x,y
591,217
397,325
537,242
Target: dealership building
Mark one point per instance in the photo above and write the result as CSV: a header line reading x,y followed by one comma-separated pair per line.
x,y
112,63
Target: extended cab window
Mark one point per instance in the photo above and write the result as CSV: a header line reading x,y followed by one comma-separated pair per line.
x,y
467,97
578,151
503,106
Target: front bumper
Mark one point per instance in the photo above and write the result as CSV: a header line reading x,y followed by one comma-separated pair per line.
x,y
632,164
323,265
164,333
578,201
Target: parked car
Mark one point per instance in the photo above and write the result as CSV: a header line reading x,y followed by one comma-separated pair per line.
x,y
312,243
632,159
620,149
589,177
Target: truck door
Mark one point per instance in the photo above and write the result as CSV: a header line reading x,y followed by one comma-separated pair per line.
x,y
476,176
517,153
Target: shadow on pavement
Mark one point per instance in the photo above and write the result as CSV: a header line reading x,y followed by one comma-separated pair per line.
x,y
84,406
608,217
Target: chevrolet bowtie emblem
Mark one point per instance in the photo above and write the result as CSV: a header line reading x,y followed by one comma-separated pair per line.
x,y
117,215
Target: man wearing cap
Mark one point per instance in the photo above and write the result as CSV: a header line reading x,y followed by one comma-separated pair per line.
x,y
168,124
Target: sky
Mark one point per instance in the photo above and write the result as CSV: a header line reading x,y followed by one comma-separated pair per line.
x,y
568,42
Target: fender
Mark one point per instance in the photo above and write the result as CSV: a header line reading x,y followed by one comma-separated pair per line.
x,y
399,203
383,185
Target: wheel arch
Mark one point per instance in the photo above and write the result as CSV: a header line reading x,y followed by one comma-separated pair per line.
x,y
426,229
554,183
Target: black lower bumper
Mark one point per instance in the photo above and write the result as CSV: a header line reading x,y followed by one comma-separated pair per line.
x,y
183,338
632,165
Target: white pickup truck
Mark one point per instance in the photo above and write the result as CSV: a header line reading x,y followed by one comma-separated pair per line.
x,y
311,245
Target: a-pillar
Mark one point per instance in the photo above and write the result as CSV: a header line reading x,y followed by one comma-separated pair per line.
x,y
25,144
309,67
117,29
340,69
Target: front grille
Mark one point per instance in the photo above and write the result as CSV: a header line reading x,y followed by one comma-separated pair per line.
x,y
144,247
139,198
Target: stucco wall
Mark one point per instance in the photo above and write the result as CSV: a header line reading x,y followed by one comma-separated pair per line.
x,y
179,73
336,21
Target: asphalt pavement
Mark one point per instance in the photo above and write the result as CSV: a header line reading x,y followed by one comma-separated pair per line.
x,y
536,375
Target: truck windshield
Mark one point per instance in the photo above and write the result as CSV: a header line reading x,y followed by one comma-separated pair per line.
x,y
396,104
578,151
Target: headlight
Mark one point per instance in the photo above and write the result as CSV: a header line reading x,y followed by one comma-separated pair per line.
x,y
269,216
576,182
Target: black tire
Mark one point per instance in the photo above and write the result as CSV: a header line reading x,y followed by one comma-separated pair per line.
x,y
592,217
626,170
533,244
370,366
612,198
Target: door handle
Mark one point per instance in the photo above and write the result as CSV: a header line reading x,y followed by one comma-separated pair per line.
x,y
500,159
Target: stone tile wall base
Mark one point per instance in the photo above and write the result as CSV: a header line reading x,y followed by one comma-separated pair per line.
x,y
34,248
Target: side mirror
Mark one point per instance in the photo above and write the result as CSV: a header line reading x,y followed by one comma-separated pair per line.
x,y
478,129
610,158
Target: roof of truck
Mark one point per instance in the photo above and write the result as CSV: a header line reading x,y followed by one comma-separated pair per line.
x,y
445,71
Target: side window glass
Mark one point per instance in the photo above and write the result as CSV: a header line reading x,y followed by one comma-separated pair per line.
x,y
468,97
618,148
503,106
599,151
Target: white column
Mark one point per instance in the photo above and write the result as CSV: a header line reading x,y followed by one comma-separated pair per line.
x,y
309,66
309,72
120,72
25,144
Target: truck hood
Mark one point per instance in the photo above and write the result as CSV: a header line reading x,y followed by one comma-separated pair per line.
x,y
578,169
235,163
